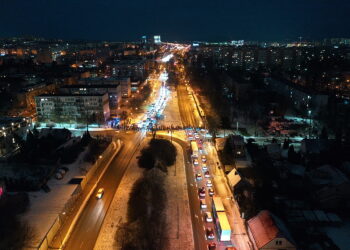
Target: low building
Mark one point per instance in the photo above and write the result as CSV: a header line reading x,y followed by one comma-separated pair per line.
x,y
233,178
329,187
92,108
220,143
238,145
267,231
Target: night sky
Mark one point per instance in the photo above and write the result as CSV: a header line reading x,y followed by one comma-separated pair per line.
x,y
182,20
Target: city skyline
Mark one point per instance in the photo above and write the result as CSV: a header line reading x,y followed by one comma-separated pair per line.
x,y
180,21
166,125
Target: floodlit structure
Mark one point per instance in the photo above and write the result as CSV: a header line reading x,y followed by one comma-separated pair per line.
x,y
156,39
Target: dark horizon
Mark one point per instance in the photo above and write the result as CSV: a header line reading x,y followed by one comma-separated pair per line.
x,y
180,21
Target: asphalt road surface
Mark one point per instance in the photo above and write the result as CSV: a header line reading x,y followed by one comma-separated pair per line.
x,y
187,111
87,228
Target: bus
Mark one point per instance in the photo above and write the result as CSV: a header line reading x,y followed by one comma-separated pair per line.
x,y
223,227
217,205
221,222
194,149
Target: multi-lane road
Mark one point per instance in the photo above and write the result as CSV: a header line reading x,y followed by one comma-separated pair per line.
x,y
87,228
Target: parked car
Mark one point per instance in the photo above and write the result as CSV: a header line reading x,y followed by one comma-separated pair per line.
x,y
204,158
210,191
206,174
209,183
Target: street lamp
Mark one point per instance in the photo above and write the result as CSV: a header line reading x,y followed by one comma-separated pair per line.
x,y
309,113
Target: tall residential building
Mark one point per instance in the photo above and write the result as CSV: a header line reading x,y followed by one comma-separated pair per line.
x,y
73,108
156,39
143,39
129,68
124,82
113,91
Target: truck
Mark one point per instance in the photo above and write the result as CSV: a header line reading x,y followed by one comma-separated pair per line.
x,y
194,149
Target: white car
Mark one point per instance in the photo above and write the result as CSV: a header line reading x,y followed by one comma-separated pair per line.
x,y
198,176
209,183
203,204
100,193
208,217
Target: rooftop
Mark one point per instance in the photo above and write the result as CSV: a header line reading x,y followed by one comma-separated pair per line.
x,y
74,86
265,227
67,95
327,175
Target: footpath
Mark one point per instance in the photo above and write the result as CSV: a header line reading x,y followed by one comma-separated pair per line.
x,y
239,234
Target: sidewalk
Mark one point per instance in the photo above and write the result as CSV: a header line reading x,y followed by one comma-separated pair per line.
x,y
239,233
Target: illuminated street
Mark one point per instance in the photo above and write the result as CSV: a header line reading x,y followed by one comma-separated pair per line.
x,y
211,125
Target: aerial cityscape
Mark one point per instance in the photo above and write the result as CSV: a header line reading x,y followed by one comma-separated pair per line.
x,y
175,126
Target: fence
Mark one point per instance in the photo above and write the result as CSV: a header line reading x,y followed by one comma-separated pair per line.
x,y
74,203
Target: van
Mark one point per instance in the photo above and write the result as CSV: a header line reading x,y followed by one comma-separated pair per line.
x,y
203,204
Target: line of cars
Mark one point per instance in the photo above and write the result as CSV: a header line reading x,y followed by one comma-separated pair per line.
x,y
156,110
204,182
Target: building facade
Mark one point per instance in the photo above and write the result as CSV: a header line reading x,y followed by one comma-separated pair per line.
x,y
124,82
72,108
113,91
